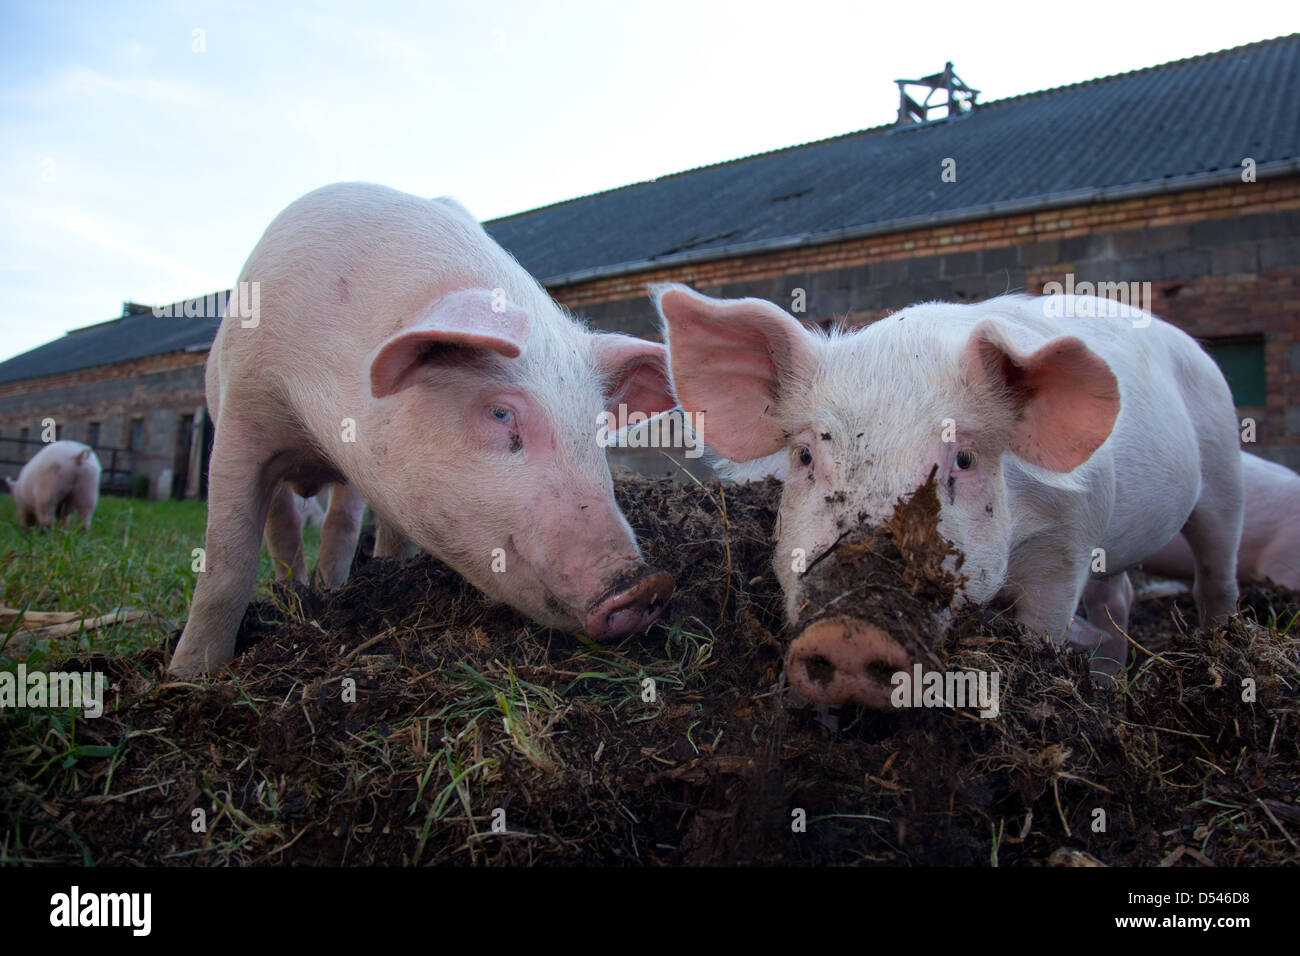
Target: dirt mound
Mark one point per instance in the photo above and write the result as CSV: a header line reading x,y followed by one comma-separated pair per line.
x,y
407,719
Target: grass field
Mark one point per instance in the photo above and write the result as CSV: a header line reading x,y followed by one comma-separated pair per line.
x,y
138,555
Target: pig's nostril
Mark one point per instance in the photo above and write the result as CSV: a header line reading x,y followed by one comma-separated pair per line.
x,y
630,607
820,670
881,672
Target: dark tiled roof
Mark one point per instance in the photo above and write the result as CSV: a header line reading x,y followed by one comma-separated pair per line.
x,y
119,340
1188,118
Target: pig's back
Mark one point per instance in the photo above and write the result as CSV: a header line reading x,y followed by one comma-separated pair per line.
x,y
1176,423
1176,416
345,267
1132,351
54,466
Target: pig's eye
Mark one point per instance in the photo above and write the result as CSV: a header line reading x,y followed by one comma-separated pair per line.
x,y
501,414
965,459
803,455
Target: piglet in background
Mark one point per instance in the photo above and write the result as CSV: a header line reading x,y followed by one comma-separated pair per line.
x,y
310,510
61,478
384,345
1270,533
1269,550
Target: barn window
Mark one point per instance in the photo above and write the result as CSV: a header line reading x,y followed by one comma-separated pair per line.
x,y
1241,359
92,435
136,440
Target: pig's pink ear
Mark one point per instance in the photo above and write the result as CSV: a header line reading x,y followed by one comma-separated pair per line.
x,y
1063,397
472,320
732,360
635,374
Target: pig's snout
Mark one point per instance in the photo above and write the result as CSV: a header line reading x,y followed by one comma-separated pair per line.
x,y
842,660
630,606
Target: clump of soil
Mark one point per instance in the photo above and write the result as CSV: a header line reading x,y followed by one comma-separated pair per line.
x,y
406,719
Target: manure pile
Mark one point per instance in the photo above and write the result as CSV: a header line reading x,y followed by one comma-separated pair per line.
x,y
405,719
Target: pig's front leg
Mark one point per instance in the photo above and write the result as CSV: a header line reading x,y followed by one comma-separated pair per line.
x,y
338,536
238,501
1049,592
284,537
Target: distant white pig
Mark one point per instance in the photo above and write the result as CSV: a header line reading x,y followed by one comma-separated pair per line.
x,y
1270,533
385,345
310,509
311,514
1060,444
61,478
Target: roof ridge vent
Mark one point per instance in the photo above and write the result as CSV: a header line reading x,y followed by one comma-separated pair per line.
x,y
961,98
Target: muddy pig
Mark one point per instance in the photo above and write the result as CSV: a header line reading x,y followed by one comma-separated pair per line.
x,y
383,344
1071,439
61,478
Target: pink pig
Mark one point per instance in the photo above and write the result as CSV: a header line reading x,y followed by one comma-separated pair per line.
x,y
1270,534
386,346
1270,539
61,478
1066,448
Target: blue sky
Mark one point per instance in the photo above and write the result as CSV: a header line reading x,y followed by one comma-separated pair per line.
x,y
144,146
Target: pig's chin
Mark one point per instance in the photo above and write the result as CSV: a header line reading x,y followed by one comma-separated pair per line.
x,y
547,612
524,591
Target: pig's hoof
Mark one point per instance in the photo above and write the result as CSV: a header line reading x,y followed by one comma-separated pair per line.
x,y
631,608
842,660
190,666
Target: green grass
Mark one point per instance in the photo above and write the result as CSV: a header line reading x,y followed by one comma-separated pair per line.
x,y
138,554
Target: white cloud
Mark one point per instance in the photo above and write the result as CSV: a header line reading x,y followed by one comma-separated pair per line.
x,y
79,84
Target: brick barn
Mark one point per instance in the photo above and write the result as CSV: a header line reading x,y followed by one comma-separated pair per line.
x,y
131,387
1184,176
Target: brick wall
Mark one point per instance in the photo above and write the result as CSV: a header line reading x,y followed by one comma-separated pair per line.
x,y
159,390
1222,262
